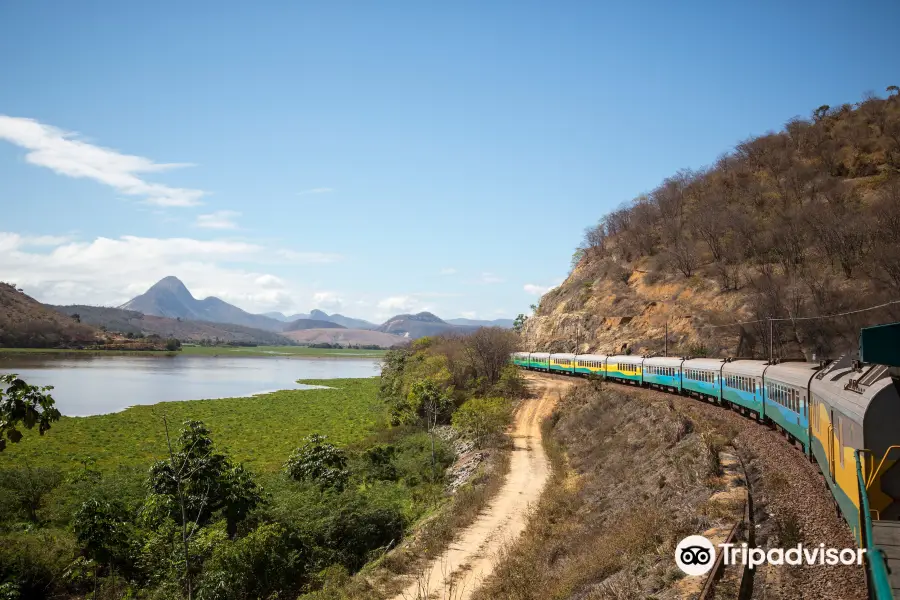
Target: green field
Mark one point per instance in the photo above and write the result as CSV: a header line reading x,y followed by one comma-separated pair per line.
x,y
260,431
298,351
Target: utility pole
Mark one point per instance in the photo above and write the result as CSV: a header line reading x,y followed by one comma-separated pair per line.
x,y
667,337
771,341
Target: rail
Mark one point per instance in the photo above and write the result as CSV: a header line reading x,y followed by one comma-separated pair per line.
x,y
876,569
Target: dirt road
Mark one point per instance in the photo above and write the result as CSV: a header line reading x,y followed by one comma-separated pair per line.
x,y
457,573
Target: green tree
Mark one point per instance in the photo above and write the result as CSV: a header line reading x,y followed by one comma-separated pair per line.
x,y
24,405
173,344
27,487
519,323
105,532
483,419
430,401
320,462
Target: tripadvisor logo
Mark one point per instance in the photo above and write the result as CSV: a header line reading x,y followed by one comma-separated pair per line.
x,y
695,555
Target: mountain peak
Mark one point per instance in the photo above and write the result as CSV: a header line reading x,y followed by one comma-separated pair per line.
x,y
317,314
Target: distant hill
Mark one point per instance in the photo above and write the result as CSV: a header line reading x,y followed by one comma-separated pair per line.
x,y
419,325
346,336
301,324
348,322
170,298
130,321
505,323
26,323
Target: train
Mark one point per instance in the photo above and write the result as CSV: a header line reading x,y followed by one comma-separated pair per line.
x,y
829,410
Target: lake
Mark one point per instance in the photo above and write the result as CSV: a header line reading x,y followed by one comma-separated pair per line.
x,y
92,385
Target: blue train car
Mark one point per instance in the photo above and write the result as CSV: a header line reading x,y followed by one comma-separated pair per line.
x,y
562,363
625,368
787,398
703,376
520,359
591,364
742,384
663,372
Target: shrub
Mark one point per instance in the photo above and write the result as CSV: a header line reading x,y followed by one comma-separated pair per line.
x,y
24,489
172,344
318,461
483,418
32,564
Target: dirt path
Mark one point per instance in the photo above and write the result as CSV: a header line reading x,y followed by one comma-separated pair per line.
x,y
459,570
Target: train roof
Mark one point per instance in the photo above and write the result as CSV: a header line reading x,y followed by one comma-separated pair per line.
x,y
562,355
520,353
595,357
708,364
540,355
793,373
627,359
752,368
851,390
663,361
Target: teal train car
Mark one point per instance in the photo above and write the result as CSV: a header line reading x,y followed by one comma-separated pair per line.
x,y
703,376
742,385
663,372
539,361
562,363
787,398
590,365
520,359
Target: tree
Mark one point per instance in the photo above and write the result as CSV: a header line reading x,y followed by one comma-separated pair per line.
x,y
488,350
76,317
28,487
173,344
431,402
893,90
519,323
104,531
320,462
24,405
483,418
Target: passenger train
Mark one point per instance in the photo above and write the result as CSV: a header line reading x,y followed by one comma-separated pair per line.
x,y
828,409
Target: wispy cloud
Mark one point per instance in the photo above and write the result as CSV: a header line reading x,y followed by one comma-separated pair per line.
x,y
328,300
491,278
318,190
221,219
537,290
307,257
448,271
63,153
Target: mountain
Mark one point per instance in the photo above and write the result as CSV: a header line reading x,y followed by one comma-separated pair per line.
x,y
130,321
26,323
749,256
280,316
348,322
301,324
419,325
170,298
505,323
346,337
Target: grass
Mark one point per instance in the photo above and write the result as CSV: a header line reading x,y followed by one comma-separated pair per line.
x,y
260,431
299,351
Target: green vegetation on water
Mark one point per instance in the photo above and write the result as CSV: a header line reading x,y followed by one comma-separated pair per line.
x,y
259,431
270,351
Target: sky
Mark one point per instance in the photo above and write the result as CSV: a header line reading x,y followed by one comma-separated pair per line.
x,y
373,158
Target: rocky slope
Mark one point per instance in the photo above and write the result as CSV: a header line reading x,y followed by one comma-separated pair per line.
x,y
796,226
26,323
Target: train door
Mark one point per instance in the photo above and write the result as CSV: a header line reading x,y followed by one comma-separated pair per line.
x,y
758,396
830,450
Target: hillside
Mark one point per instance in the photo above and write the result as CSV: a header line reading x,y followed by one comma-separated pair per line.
x,y
793,225
344,336
26,323
419,325
170,298
301,324
133,322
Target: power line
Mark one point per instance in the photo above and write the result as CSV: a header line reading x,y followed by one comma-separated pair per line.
x,y
843,314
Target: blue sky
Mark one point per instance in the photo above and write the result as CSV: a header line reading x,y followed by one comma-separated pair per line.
x,y
375,158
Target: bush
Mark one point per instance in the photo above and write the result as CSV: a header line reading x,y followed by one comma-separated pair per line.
x,y
173,344
24,489
320,462
33,564
483,418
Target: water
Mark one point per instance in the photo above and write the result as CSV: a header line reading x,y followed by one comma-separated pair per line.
x,y
92,385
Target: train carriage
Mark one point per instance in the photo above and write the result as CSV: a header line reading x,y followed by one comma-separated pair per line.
x,y
591,364
663,372
562,363
857,407
742,384
625,368
540,361
703,376
520,359
787,398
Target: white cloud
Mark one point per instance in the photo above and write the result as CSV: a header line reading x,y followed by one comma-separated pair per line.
x,y
327,301
448,271
61,152
318,190
307,257
221,219
537,290
491,278
397,303
109,271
